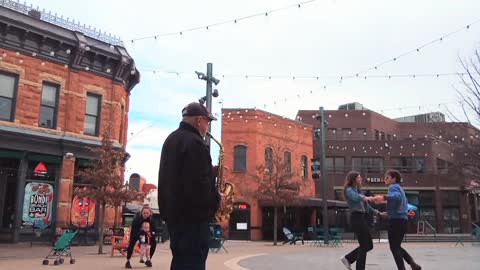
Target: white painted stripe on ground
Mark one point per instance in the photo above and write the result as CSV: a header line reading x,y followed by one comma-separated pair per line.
x,y
233,262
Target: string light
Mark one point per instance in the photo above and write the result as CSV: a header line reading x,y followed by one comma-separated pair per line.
x,y
234,21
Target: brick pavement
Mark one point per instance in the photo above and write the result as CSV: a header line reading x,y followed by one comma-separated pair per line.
x,y
254,255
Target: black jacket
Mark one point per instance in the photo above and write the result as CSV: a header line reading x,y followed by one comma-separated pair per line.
x,y
186,186
137,225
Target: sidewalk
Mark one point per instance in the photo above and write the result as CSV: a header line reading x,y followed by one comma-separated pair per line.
x,y
245,255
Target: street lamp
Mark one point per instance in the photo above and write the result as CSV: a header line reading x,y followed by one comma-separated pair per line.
x,y
323,172
208,97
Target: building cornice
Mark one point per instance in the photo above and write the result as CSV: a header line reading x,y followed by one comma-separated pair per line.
x,y
33,37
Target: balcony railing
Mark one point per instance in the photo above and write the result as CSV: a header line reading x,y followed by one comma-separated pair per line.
x,y
65,23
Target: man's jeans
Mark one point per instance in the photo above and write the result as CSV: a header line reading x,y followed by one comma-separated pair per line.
x,y
189,245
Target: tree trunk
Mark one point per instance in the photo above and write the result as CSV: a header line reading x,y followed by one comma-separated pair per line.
x,y
275,225
101,229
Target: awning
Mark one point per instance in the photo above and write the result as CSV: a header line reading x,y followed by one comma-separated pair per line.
x,y
307,202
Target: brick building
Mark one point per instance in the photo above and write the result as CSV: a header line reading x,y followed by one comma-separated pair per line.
x,y
250,138
424,148
59,88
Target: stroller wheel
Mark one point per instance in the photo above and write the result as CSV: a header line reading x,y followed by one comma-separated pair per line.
x,y
72,261
61,261
56,262
45,262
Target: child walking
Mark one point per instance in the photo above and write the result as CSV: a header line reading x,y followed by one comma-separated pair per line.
x,y
145,243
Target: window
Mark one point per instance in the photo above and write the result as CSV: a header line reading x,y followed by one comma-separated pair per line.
x,y
367,164
240,158
377,135
92,115
331,133
287,158
268,160
335,165
346,133
442,166
304,168
8,87
48,106
361,132
408,164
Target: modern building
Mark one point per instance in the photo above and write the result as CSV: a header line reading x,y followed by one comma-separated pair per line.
x,y
428,151
263,149
60,85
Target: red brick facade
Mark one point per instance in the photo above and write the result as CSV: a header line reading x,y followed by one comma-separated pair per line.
x,y
54,72
256,130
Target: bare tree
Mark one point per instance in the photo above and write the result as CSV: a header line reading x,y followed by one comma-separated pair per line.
x,y
275,181
106,176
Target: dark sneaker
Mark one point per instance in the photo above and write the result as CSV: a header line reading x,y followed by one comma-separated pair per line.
x,y
142,261
148,263
416,267
128,265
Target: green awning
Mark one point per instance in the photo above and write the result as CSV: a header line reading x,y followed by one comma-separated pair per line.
x,y
45,158
4,153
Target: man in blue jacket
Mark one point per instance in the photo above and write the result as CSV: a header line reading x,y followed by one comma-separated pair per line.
x,y
397,213
187,196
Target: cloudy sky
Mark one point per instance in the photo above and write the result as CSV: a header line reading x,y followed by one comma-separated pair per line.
x,y
325,38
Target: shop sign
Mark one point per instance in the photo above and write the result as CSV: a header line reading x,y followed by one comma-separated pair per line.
x,y
37,205
375,180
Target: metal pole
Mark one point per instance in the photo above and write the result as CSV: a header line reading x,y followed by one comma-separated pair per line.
x,y
209,98
324,176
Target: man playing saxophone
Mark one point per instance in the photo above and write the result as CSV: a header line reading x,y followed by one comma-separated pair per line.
x,y
187,196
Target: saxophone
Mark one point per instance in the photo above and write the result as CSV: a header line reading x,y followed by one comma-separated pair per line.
x,y
226,189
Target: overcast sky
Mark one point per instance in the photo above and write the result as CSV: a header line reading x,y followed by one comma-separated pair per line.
x,y
322,38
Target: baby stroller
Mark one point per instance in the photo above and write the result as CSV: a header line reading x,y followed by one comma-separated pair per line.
x,y
61,249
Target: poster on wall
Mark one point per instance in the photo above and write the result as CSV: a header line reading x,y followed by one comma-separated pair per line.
x,y
83,212
37,205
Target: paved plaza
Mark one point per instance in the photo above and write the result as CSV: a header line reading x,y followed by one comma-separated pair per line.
x,y
244,255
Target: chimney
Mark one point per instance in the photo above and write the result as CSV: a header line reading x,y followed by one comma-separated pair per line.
x,y
35,14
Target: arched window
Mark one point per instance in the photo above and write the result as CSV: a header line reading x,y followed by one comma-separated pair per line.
x,y
304,167
287,158
268,160
240,158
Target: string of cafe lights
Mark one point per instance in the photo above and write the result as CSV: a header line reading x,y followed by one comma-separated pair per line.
x,y
342,77
217,24
397,144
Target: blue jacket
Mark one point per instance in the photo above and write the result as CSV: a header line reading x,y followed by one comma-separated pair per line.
x,y
355,201
397,204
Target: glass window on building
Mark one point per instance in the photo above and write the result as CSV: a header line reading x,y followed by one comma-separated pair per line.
x,y
304,167
8,93
367,164
442,166
84,210
92,115
408,164
268,160
346,133
287,159
240,158
335,165
316,133
48,106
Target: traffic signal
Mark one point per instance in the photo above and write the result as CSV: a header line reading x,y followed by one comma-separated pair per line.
x,y
316,169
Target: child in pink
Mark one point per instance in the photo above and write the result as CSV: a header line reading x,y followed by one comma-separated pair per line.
x,y
145,243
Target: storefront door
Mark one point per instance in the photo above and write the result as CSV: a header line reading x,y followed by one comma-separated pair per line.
x,y
8,192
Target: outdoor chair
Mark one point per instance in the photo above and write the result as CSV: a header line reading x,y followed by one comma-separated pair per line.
x,y
316,239
216,241
292,238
